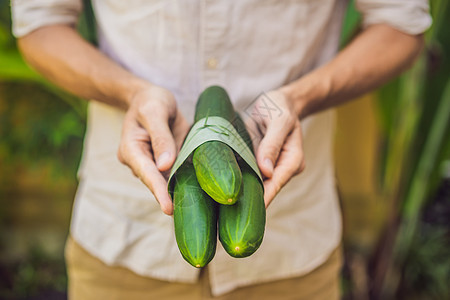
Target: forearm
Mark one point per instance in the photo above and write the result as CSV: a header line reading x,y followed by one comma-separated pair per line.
x,y
377,55
63,57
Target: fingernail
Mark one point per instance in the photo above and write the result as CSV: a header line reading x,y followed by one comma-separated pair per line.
x,y
163,159
268,163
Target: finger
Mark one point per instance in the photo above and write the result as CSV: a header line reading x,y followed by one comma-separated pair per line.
x,y
154,180
134,151
270,191
271,144
141,162
290,163
162,140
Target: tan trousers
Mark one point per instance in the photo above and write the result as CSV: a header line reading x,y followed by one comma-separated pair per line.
x,y
91,279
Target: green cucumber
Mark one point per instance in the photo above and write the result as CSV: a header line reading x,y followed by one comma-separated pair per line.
x,y
214,101
215,164
195,218
241,226
218,172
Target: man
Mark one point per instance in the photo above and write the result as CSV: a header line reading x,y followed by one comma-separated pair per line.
x,y
154,59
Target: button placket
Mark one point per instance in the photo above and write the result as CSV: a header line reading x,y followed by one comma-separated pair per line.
x,y
214,31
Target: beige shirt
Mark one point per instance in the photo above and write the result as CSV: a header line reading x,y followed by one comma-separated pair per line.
x,y
248,47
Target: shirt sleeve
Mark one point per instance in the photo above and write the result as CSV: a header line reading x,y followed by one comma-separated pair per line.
x,y
409,16
29,15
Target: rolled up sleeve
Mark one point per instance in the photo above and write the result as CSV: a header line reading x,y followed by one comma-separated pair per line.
x,y
409,16
29,15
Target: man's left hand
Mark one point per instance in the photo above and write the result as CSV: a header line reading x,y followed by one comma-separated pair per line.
x,y
277,138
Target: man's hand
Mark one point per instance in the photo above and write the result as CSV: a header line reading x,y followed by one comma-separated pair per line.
x,y
153,131
153,128
277,138
350,74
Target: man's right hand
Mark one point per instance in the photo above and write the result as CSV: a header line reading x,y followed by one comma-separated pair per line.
x,y
153,129
152,133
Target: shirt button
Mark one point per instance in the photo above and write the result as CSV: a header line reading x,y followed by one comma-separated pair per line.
x,y
212,63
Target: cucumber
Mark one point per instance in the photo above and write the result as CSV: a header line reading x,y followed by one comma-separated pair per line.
x,y
241,226
218,172
214,101
215,164
195,218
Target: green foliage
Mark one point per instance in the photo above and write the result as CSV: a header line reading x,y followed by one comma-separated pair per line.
x,y
426,271
36,273
36,127
408,107
87,23
41,130
415,114
350,26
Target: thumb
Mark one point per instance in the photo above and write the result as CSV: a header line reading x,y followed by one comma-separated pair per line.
x,y
269,149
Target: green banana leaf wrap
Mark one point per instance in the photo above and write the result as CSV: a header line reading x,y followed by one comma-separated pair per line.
x,y
213,129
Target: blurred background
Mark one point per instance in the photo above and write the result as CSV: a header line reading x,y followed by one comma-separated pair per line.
x,y
392,163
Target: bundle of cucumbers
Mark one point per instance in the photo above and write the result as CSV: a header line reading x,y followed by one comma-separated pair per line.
x,y
215,189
